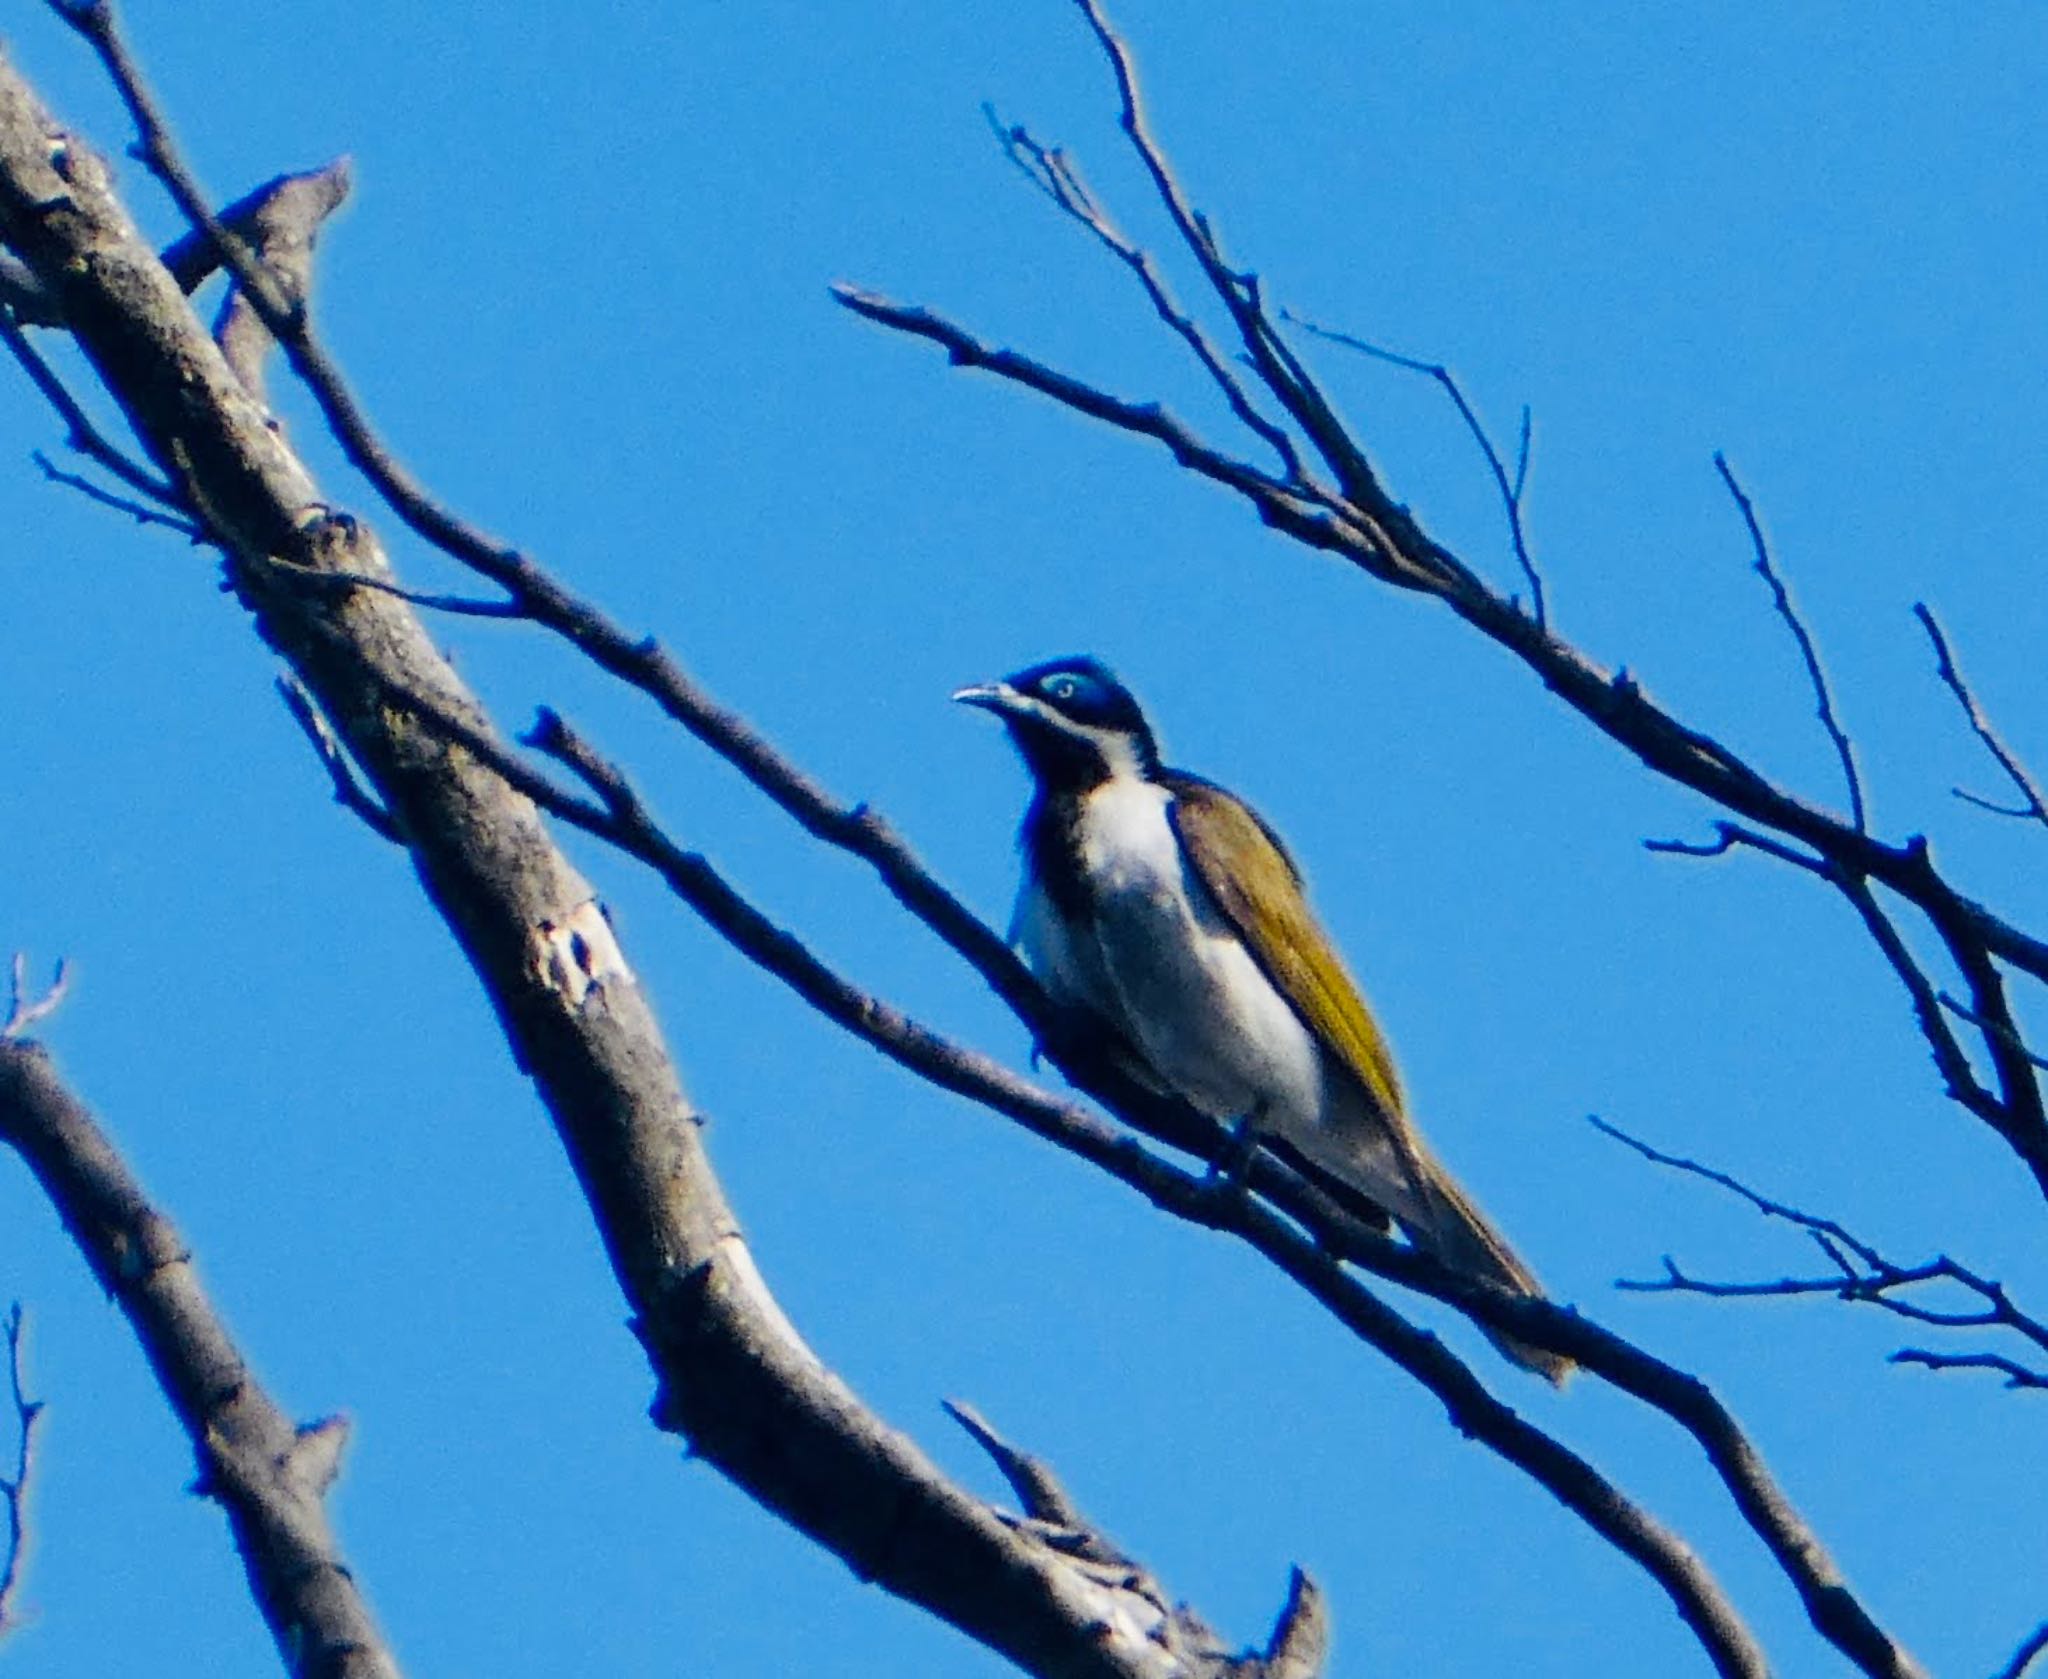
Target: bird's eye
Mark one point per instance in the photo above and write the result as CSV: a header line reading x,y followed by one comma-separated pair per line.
x,y
1062,688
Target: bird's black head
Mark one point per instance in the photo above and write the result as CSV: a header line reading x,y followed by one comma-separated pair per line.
x,y
1076,725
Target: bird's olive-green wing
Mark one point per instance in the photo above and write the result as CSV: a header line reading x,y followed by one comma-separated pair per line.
x,y
1254,882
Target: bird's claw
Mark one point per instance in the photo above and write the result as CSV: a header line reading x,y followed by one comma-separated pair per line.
x,y
1232,1167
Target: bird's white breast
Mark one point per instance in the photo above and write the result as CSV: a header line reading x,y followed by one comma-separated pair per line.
x,y
1165,967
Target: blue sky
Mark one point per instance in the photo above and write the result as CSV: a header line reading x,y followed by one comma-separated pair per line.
x,y
583,288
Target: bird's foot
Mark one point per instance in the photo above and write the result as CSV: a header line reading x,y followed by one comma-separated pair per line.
x,y
1232,1168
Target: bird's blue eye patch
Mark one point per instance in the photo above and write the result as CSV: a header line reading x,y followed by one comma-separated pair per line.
x,y
1082,689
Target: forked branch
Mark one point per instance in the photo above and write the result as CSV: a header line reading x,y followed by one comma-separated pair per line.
x,y
1809,655
1858,1272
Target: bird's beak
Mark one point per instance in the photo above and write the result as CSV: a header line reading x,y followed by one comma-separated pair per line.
x,y
990,696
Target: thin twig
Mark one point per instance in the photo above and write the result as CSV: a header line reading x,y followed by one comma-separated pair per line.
x,y
2023,1658
2021,1115
1871,1279
1959,1079
1510,486
460,606
1038,1489
1963,1011
349,790
1980,725
2016,1375
141,514
23,1013
1735,1186
1990,805
1277,365
1728,836
79,431
1781,598
1303,512
14,1488
1059,178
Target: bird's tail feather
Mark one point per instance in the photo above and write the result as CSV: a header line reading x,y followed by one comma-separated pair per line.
x,y
1457,1232
1372,1170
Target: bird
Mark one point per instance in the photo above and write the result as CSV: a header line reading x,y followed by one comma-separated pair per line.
x,y
1170,915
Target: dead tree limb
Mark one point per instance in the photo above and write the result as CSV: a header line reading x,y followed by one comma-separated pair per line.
x,y
733,1375
269,1475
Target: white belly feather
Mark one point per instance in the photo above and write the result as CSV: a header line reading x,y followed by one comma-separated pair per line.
x,y
1164,966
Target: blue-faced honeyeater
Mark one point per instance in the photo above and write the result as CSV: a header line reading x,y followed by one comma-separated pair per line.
x,y
1166,910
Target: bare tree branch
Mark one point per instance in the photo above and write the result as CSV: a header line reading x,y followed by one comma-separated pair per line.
x,y
1731,836
1861,1273
2033,806
1037,1488
2016,1374
1300,1645
1054,173
14,1488
269,1476
580,956
23,1011
621,820
1511,488
2021,1115
1963,1011
1238,291
282,222
733,1374
1683,1398
459,606
2023,1658
1366,525
138,511
349,791
1781,598
1958,1078
80,433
